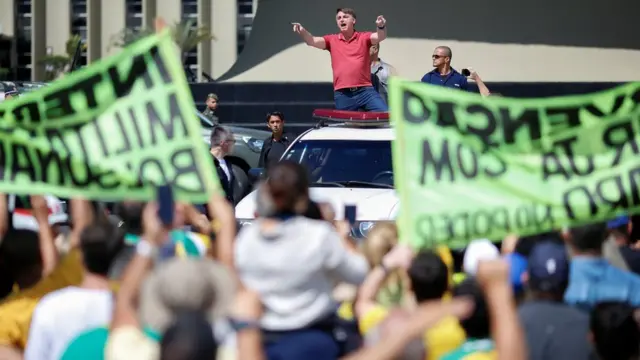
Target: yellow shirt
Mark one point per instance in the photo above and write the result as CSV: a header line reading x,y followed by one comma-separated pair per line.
x,y
446,336
17,308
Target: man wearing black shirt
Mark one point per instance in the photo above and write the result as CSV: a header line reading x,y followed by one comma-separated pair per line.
x,y
275,145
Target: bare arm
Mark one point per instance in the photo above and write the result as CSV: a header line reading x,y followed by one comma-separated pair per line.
x,y
315,41
381,33
484,90
225,228
81,215
48,251
506,330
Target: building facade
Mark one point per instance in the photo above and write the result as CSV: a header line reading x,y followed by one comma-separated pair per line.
x,y
32,29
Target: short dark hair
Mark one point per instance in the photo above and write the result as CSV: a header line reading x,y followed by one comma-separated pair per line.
x,y
131,215
615,331
190,336
348,11
100,243
219,135
288,182
589,237
478,325
429,276
21,250
447,51
275,113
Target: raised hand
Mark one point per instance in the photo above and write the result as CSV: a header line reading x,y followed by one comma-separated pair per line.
x,y
381,21
297,28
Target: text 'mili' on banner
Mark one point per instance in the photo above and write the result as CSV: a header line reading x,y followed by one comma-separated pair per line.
x,y
468,167
113,130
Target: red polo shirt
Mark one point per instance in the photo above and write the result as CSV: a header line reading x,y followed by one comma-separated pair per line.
x,y
350,59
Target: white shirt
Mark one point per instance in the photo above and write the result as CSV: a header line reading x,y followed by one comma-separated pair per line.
x,y
63,315
223,165
294,269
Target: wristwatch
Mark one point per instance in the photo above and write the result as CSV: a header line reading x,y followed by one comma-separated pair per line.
x,y
146,249
239,325
382,27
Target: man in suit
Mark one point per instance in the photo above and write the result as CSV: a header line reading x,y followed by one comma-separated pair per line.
x,y
222,142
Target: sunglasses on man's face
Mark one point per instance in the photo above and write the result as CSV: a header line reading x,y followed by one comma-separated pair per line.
x,y
437,56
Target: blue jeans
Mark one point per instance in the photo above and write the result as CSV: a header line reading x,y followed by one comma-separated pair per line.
x,y
366,98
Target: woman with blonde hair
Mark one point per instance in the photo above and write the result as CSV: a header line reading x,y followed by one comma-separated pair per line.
x,y
382,238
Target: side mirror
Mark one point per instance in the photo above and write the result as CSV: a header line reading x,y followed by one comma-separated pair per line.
x,y
256,174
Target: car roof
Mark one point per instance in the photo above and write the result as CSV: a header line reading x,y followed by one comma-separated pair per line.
x,y
343,132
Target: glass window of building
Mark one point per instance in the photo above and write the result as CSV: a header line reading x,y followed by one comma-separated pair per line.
x,y
133,20
245,20
190,13
79,25
23,39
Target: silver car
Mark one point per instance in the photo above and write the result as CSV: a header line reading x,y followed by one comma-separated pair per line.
x,y
246,152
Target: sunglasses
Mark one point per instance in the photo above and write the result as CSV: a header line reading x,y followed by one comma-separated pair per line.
x,y
437,56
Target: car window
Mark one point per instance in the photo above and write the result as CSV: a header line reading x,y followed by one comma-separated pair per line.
x,y
204,122
344,160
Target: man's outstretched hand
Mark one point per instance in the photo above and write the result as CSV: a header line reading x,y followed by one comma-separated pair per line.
x,y
297,28
381,21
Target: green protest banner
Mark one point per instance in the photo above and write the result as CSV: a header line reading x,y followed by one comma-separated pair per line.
x,y
468,167
113,130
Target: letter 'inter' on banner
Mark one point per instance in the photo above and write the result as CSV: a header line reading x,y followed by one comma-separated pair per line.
x,y
114,130
468,167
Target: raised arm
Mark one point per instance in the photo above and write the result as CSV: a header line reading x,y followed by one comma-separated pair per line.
x,y
482,88
381,33
317,42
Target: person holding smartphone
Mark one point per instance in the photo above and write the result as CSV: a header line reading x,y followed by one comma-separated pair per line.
x,y
443,74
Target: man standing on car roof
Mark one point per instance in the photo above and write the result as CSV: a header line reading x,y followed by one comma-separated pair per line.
x,y
350,62
274,146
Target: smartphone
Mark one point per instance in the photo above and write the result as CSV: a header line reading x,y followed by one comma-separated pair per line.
x,y
465,72
165,204
350,213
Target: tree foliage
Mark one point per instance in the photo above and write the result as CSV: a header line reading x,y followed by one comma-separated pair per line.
x,y
185,34
57,64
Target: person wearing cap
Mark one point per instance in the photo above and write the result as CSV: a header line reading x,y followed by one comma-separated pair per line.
x,y
478,250
211,111
553,329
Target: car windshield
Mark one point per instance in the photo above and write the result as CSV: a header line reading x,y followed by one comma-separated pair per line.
x,y
204,122
349,163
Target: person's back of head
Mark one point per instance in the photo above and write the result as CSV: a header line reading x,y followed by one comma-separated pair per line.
x,y
190,337
20,251
548,270
615,331
100,243
130,212
288,187
588,238
429,276
477,326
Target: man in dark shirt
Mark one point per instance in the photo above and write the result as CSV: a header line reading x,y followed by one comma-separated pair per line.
x,y
553,330
444,74
275,145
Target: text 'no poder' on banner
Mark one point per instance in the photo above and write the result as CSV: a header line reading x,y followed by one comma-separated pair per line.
x,y
468,167
110,131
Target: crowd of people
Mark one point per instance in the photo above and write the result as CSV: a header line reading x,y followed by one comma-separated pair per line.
x,y
295,285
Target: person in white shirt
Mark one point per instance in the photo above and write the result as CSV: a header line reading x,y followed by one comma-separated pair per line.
x,y
64,314
293,262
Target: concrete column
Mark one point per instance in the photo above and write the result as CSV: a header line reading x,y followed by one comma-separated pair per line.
x,y
169,10
224,26
255,7
94,29
7,19
148,13
39,38
113,19
204,48
58,23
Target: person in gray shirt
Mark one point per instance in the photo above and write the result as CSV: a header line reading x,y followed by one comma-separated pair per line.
x,y
553,330
381,70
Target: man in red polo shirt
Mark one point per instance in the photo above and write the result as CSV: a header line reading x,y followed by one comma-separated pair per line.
x,y
350,61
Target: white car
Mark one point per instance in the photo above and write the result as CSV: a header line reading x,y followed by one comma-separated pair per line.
x,y
350,164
